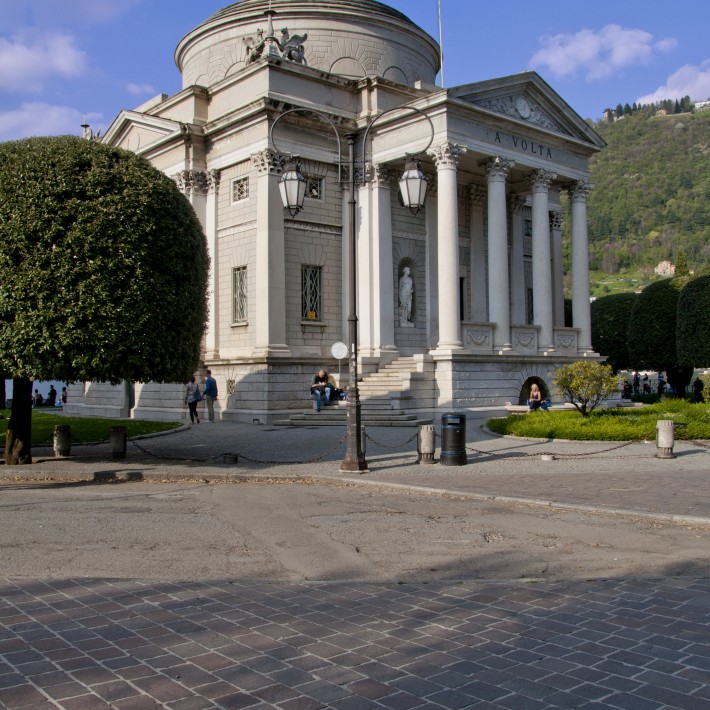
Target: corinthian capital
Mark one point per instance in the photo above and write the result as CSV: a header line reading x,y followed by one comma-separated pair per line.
x,y
477,195
540,180
213,178
497,168
266,161
579,191
556,219
379,175
447,155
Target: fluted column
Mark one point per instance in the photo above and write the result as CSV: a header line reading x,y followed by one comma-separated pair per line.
x,y
540,182
212,334
581,316
270,258
446,157
479,306
498,273
558,289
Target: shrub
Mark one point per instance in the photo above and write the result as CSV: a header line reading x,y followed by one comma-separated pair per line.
x,y
585,384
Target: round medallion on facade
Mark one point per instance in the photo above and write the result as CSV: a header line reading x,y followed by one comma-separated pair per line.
x,y
523,107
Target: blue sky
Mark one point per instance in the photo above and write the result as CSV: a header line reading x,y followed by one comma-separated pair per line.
x,y
60,59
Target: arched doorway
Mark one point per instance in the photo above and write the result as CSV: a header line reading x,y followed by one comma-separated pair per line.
x,y
525,389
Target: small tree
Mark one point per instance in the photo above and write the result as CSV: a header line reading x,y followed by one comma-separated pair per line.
x,y
103,272
585,384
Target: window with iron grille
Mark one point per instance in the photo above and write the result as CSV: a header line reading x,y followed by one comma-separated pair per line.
x,y
240,189
311,292
239,294
314,188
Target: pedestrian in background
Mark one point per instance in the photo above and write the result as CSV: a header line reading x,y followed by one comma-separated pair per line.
x,y
210,392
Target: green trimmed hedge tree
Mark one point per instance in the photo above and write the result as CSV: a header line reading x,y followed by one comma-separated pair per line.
x,y
652,332
693,323
610,326
103,272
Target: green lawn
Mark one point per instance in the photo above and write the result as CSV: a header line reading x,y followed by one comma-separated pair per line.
x,y
84,430
622,424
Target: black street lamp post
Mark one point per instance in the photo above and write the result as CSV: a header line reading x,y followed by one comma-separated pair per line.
x,y
293,189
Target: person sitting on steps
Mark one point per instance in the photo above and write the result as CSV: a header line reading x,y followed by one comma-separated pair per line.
x,y
320,389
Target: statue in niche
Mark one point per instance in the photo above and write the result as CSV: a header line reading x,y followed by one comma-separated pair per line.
x,y
406,293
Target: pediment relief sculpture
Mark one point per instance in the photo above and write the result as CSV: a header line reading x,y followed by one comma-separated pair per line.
x,y
521,107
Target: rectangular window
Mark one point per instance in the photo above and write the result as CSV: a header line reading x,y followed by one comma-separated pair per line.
x,y
239,294
314,188
240,189
311,291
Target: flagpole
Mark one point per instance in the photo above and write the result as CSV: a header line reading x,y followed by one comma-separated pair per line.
x,y
441,46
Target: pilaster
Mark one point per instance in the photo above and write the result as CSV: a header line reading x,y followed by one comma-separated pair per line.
x,y
212,334
270,268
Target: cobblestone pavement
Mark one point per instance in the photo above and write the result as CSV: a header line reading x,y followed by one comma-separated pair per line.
x,y
85,644
134,644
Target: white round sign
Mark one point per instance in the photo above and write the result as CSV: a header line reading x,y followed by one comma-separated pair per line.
x,y
339,351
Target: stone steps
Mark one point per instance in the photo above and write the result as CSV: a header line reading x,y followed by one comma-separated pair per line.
x,y
336,415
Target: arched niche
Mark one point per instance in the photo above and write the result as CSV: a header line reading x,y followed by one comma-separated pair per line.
x,y
348,67
525,389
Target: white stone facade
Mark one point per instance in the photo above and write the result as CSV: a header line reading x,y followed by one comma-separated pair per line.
x,y
485,254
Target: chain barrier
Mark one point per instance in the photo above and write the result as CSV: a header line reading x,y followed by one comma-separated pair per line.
x,y
239,456
390,446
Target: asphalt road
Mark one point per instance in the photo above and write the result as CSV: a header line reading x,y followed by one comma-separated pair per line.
x,y
281,530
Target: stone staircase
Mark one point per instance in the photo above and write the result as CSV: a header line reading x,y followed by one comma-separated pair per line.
x,y
385,396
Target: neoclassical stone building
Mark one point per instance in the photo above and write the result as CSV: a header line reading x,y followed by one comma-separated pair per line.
x,y
486,312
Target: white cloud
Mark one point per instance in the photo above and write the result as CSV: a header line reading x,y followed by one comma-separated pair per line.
x,y
27,66
42,119
598,54
689,80
140,89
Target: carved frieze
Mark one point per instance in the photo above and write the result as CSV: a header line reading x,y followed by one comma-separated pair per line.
x,y
479,337
523,108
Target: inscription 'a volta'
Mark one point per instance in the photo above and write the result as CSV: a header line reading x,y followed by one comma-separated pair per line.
x,y
527,146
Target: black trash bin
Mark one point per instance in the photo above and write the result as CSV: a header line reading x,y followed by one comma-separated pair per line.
x,y
453,439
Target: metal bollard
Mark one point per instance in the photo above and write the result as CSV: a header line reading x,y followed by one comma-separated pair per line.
x,y
426,444
665,438
453,440
117,439
62,440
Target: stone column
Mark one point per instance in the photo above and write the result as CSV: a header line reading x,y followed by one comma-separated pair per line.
x,y
540,182
518,304
446,157
382,273
479,306
558,285
212,334
270,259
498,275
581,316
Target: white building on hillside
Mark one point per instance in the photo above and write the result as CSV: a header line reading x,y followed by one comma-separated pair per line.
x,y
486,316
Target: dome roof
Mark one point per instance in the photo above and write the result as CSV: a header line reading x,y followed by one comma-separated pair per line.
x,y
350,38
259,7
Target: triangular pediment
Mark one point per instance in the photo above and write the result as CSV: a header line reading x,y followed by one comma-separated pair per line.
x,y
139,132
526,98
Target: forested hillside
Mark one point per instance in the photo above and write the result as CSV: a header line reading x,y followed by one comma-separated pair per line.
x,y
651,197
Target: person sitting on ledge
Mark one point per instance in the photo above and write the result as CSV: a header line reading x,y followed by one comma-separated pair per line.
x,y
535,401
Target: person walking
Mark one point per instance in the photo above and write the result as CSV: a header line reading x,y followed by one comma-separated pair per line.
x,y
210,392
192,397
